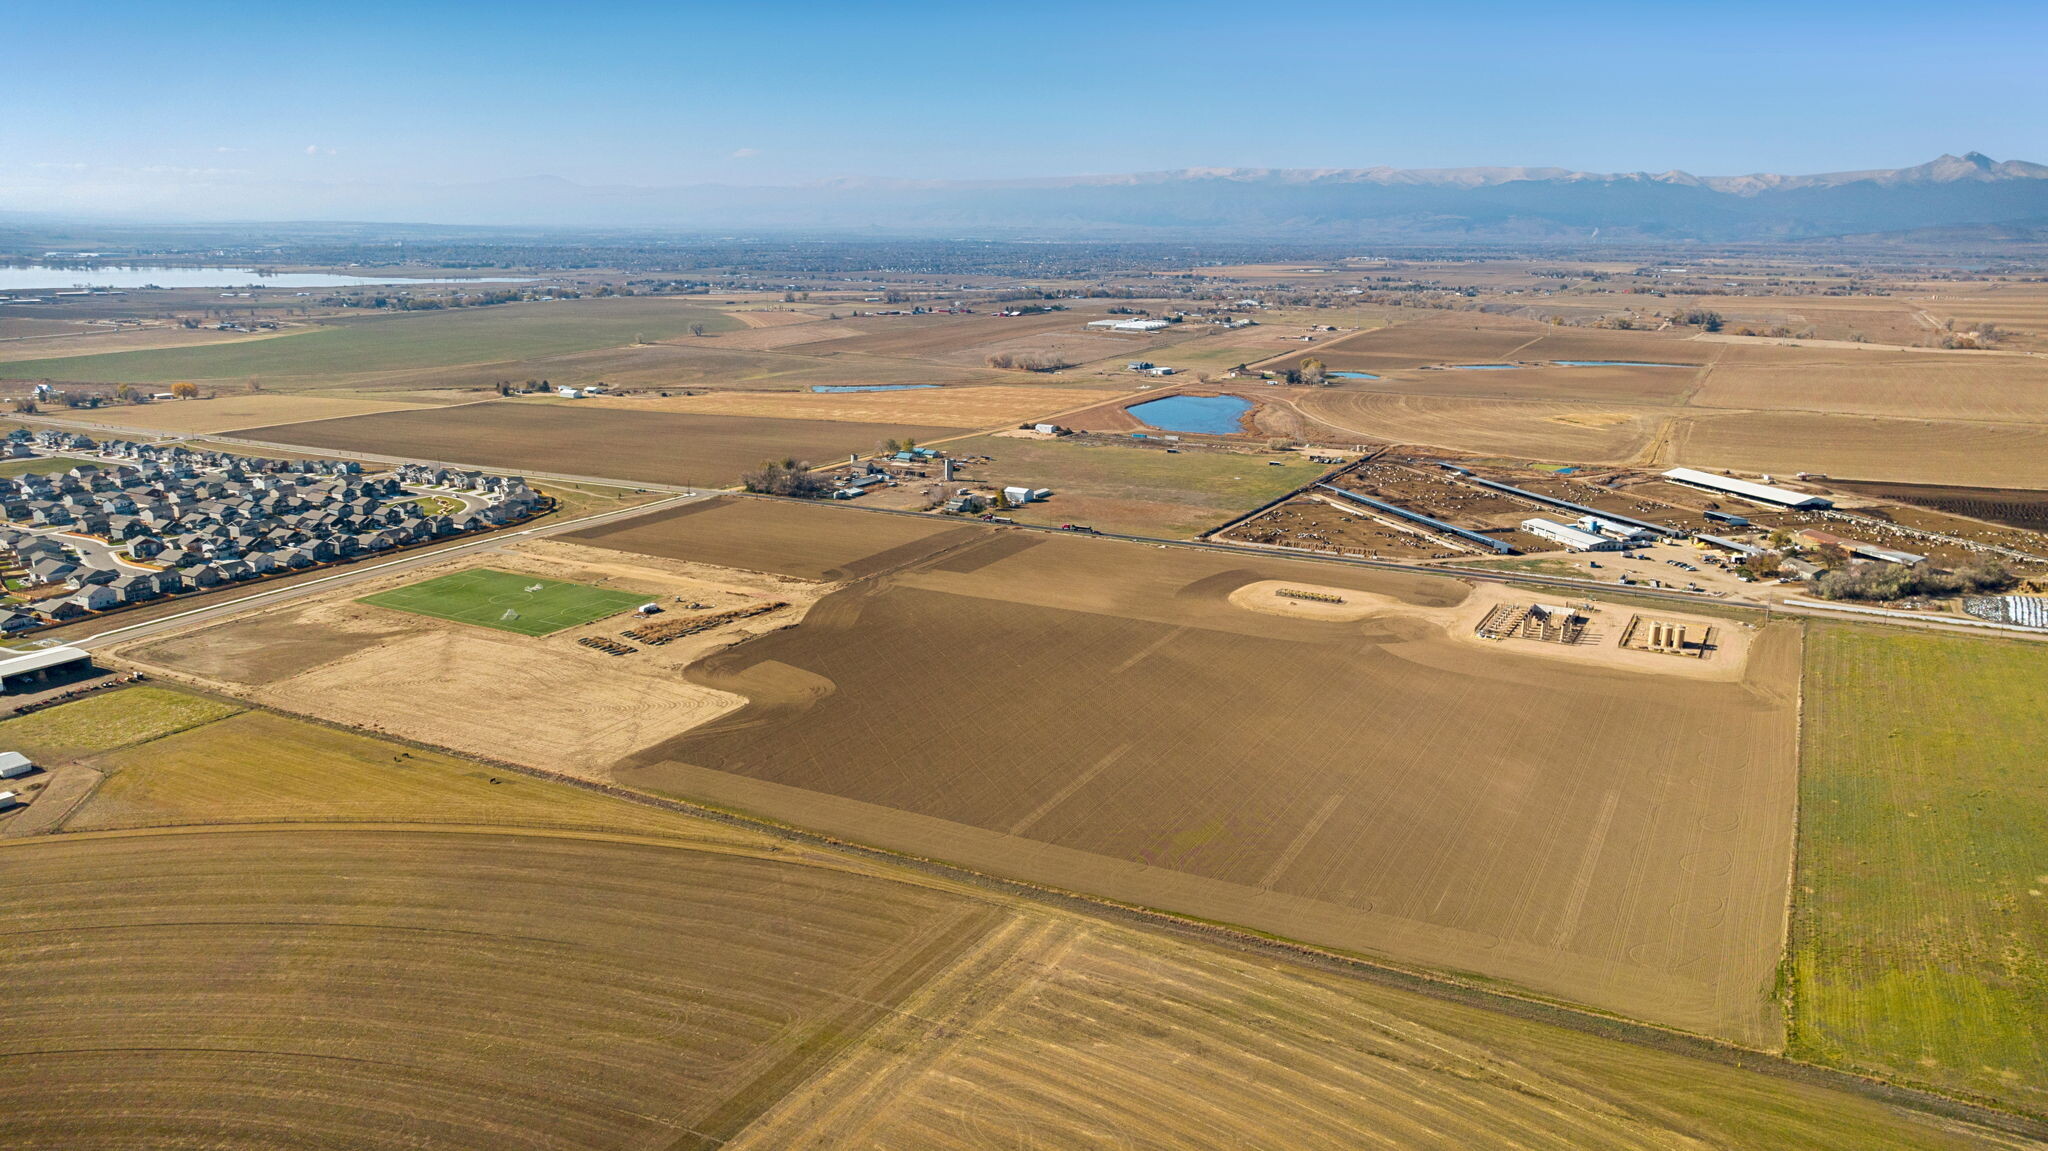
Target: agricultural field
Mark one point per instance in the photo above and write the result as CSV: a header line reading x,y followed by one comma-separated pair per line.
x,y
1927,385
1920,943
544,436
506,961
1867,448
1386,784
355,351
549,701
980,406
1535,430
1140,491
507,601
229,413
806,540
2020,509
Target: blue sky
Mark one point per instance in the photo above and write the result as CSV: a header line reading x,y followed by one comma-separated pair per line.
x,y
115,97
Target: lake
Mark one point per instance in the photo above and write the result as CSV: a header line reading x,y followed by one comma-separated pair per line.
x,y
45,277
1214,415
1351,375
869,387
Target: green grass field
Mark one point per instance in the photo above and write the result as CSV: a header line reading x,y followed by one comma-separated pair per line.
x,y
108,720
1142,491
397,341
44,465
525,604
1920,936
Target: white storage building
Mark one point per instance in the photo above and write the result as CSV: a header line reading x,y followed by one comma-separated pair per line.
x,y
1576,539
1744,489
14,765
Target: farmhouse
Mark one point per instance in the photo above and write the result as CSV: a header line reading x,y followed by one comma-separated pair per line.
x,y
1743,489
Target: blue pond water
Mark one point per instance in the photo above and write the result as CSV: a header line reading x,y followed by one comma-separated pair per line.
x,y
1216,415
869,387
1485,367
1617,364
1351,375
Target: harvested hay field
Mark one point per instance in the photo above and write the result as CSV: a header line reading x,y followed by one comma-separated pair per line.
x,y
1535,430
962,406
1420,343
935,335
654,447
1390,786
443,989
2012,507
807,540
506,601
1868,448
539,977
1906,385
1920,943
229,413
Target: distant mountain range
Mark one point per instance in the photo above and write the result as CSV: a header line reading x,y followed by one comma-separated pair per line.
x,y
1950,197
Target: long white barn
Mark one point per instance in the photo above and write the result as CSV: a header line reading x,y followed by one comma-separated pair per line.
x,y
1758,493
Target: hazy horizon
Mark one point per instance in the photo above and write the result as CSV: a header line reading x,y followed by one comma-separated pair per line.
x,y
259,113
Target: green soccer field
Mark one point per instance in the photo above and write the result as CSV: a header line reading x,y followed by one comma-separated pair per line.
x,y
525,604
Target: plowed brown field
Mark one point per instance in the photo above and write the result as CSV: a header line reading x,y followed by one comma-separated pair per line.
x,y
784,537
1100,716
658,447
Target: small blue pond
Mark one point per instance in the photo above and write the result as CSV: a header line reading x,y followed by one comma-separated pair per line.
x,y
1484,367
869,387
1216,415
1617,364
1351,375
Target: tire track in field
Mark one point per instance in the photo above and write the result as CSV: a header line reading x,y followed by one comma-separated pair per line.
x,y
1076,784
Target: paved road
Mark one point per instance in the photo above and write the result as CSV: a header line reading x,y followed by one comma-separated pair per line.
x,y
284,593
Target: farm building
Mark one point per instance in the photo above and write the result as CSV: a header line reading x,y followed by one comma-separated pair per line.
x,y
1858,547
14,765
1726,544
1744,489
9,799
25,672
1575,538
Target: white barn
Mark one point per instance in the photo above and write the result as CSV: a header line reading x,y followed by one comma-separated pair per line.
x,y
1744,489
1573,538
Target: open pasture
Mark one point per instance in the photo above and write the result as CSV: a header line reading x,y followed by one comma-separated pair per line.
x,y
231,413
355,348
1391,786
1143,491
1906,385
539,976
807,540
932,336
656,447
1920,946
1538,430
983,406
1869,448
507,601
1466,339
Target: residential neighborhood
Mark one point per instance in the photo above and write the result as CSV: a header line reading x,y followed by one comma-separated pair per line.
x,y
139,521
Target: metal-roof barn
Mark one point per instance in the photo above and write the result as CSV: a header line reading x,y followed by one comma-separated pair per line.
x,y
1744,489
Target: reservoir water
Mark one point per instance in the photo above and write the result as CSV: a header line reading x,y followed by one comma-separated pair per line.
x,y
46,278
869,387
1214,415
1351,375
